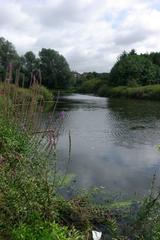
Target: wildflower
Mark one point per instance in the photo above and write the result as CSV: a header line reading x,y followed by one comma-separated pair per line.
x,y
61,115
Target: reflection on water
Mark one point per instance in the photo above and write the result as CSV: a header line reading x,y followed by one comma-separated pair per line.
x,y
113,142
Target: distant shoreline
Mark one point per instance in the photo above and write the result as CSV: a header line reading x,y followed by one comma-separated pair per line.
x,y
148,92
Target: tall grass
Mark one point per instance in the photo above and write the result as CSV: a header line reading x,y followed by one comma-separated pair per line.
x,y
29,205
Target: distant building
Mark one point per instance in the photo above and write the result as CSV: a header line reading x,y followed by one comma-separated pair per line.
x,y
76,75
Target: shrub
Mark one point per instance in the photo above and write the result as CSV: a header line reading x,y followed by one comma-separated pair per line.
x,y
45,231
90,86
103,91
142,92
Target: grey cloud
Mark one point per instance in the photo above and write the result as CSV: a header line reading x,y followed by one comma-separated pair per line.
x,y
82,62
131,37
89,33
60,14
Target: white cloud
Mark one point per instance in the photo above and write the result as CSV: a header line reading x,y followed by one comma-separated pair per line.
x,y
89,33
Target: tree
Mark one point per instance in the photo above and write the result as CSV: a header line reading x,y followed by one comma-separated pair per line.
x,y
55,69
134,69
8,57
29,63
155,58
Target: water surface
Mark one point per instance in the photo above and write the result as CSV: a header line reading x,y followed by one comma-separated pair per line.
x,y
113,142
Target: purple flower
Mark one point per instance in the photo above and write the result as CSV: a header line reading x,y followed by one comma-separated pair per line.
x,y
61,115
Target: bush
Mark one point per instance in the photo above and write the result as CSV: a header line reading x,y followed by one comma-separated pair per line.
x,y
90,86
45,94
45,231
103,91
141,92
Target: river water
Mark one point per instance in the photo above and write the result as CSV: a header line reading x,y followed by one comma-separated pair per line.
x,y
114,143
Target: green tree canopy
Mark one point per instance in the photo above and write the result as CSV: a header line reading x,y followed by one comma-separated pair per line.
x,y
55,69
132,68
8,56
29,63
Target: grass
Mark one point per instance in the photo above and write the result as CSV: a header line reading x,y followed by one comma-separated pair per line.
x,y
151,92
141,92
29,205
26,93
100,88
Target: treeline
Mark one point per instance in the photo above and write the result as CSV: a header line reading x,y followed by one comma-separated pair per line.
x,y
130,70
127,78
53,66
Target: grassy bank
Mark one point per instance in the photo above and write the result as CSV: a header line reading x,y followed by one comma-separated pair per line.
x,y
31,207
20,93
97,87
151,92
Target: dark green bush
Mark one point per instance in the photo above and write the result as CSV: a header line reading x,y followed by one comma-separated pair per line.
x,y
90,86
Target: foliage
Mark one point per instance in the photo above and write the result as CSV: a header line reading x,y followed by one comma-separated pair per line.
x,y
55,69
132,69
133,75
89,77
22,94
103,90
142,92
44,93
45,231
1,102
28,175
90,86
94,75
8,57
29,63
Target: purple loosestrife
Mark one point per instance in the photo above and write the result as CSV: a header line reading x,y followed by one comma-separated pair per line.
x,y
61,115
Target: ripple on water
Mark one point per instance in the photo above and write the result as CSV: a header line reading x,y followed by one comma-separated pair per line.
x,y
113,142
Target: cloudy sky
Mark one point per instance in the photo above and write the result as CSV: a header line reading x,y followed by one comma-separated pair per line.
x,y
89,33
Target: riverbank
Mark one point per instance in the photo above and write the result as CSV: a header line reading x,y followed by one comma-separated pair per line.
x,y
30,206
150,92
42,93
